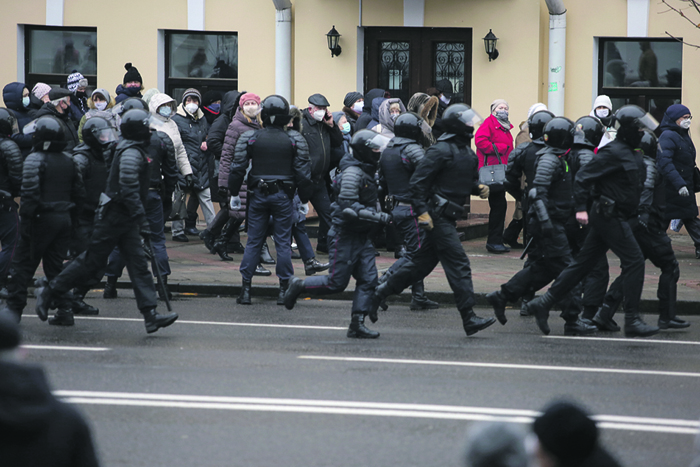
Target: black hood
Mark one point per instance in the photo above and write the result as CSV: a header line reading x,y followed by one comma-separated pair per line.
x,y
26,403
370,96
12,96
229,103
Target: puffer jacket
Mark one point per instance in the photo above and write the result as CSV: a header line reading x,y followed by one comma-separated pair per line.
x,y
71,134
124,93
218,129
375,112
169,127
93,112
193,131
676,162
386,124
491,133
239,125
366,116
12,96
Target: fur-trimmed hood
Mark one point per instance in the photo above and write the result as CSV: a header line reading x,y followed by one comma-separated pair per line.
x,y
104,93
297,120
424,105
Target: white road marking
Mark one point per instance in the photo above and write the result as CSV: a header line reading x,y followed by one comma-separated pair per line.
x,y
62,347
221,323
622,339
378,409
510,366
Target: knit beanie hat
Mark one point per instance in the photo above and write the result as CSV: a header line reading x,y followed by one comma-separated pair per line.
x,y
211,96
337,116
132,74
676,111
249,96
498,102
351,98
76,80
566,431
103,92
191,92
536,108
9,331
40,90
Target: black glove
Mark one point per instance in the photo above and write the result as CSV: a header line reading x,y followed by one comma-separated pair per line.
x,y
146,251
547,229
643,220
384,217
145,229
189,181
222,192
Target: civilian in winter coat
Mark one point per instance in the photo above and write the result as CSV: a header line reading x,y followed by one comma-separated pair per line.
x,y
193,129
211,105
35,427
163,107
225,107
131,86
366,116
99,105
58,106
17,99
374,113
39,95
676,162
77,84
494,143
389,111
427,107
352,108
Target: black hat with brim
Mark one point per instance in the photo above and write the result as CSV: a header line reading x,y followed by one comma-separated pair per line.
x,y
319,100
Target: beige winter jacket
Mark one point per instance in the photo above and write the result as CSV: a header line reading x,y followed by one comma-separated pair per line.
x,y
169,127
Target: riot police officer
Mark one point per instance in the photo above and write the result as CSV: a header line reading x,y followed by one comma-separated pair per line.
x,y
439,188
615,176
398,162
52,192
650,233
99,138
10,183
280,166
354,218
120,221
551,201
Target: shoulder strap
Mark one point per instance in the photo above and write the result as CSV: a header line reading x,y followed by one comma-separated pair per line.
x,y
498,156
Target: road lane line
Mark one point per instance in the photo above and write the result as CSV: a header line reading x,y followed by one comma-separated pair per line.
x,y
220,323
622,339
66,347
509,366
379,409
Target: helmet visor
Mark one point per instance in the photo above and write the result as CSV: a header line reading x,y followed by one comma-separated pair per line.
x,y
105,135
470,117
29,128
645,122
378,142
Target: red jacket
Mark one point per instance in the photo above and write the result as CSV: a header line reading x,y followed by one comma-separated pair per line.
x,y
490,132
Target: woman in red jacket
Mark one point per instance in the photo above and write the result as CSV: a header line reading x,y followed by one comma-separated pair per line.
x,y
494,143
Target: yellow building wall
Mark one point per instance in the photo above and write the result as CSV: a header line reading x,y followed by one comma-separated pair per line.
x,y
24,12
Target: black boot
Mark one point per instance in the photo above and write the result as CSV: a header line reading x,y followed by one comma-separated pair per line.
x,y
577,327
220,249
473,323
604,321
294,288
154,320
167,291
284,284
44,298
527,298
79,306
381,293
110,287
400,252
665,320
63,317
636,327
312,266
358,329
498,301
207,238
261,271
236,248
589,311
265,256
244,297
539,307
418,299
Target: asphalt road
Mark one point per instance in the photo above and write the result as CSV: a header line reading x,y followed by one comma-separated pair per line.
x,y
260,386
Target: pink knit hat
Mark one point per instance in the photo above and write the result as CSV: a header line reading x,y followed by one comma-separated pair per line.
x,y
249,96
40,90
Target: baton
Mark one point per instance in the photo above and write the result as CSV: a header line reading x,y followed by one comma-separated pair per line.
x,y
156,268
527,248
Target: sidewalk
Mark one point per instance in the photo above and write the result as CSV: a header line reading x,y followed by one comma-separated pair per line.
x,y
195,271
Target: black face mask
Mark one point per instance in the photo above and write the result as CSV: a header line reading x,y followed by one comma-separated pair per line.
x,y
80,94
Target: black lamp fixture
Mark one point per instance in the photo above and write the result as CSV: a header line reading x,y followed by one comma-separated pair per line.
x,y
490,41
333,38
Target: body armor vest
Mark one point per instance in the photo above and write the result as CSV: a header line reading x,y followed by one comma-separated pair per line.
x,y
455,180
57,180
272,153
395,173
94,178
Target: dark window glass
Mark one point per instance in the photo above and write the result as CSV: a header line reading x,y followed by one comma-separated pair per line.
x,y
394,73
449,64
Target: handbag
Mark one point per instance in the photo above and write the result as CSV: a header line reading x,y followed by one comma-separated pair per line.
x,y
179,211
493,175
696,179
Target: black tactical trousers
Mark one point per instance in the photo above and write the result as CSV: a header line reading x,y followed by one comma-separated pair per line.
x,y
596,281
83,233
406,225
606,234
47,242
656,246
442,246
115,228
350,254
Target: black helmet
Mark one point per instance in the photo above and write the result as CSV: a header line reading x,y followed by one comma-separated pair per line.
x,y
589,131
128,104
460,119
135,125
98,133
8,123
629,121
649,144
409,125
275,111
559,134
48,134
536,123
367,146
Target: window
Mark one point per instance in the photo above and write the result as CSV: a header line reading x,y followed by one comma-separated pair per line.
x,y
201,60
52,53
645,72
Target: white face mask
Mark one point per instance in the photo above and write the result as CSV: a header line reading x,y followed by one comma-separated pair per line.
x,y
358,106
602,113
192,108
250,110
685,124
100,105
318,115
444,99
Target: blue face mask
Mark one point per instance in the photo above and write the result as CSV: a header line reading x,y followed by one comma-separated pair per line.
x,y
25,101
345,128
215,108
165,111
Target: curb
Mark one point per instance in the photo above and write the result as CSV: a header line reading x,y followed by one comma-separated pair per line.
x,y
685,308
